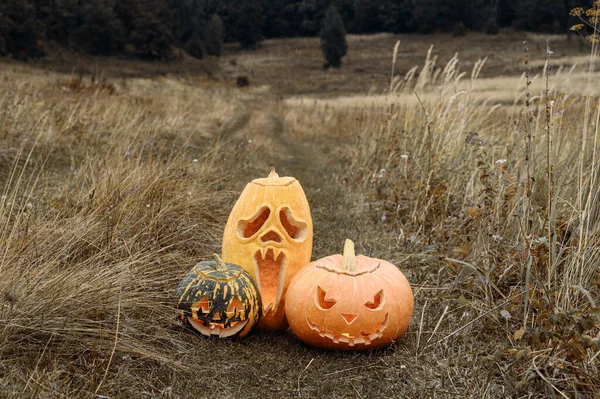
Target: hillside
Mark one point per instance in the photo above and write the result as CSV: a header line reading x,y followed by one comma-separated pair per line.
x,y
118,175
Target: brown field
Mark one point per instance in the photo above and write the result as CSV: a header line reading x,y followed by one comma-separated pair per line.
x,y
117,176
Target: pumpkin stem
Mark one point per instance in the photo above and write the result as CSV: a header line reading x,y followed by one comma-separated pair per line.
x,y
273,174
221,266
349,263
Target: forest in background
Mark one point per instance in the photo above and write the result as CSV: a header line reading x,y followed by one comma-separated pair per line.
x,y
152,29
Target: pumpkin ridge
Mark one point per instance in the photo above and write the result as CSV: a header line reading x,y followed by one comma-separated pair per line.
x,y
222,279
273,184
337,270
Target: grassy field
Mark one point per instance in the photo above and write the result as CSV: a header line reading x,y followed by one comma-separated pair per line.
x,y
479,179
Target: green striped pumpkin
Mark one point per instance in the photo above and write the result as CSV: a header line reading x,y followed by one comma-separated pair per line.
x,y
219,299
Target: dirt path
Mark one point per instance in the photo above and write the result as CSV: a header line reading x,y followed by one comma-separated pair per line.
x,y
315,165
278,364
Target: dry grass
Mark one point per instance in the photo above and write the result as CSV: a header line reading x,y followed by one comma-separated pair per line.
x,y
114,188
294,67
108,202
504,201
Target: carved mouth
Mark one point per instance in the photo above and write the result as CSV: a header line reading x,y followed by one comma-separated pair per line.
x,y
270,264
364,338
218,329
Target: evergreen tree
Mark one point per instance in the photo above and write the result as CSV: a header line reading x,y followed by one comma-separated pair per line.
x,y
101,33
152,31
248,22
347,10
523,14
426,15
310,23
189,17
128,12
153,27
275,22
440,15
405,20
312,14
366,16
560,15
5,24
491,26
61,20
20,31
539,15
194,46
333,38
214,36
506,12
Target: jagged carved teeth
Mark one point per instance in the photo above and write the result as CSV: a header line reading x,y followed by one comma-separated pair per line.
x,y
218,329
264,251
364,339
270,308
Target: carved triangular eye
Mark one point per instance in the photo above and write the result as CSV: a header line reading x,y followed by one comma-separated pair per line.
x,y
296,229
248,228
377,301
322,303
202,306
235,306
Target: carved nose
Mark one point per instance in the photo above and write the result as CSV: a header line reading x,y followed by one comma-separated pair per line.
x,y
270,236
349,317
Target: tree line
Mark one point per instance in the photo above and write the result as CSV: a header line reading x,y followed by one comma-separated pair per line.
x,y
153,28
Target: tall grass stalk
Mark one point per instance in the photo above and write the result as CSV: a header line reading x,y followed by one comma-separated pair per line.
x,y
464,168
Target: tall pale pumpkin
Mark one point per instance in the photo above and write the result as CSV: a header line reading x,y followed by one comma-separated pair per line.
x,y
270,233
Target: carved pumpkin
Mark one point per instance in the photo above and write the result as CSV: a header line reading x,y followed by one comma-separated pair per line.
x,y
269,233
349,303
219,299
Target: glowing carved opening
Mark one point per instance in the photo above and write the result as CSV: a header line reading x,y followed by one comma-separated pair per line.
x,y
349,317
201,306
223,327
377,302
218,329
235,307
323,303
248,228
270,276
271,236
365,338
296,229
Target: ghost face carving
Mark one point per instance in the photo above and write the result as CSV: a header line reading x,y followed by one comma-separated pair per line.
x,y
219,299
269,233
358,308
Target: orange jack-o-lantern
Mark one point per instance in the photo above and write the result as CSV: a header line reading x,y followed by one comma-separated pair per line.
x,y
269,233
349,303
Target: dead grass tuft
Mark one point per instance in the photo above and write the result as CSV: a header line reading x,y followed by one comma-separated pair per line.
x,y
102,213
502,199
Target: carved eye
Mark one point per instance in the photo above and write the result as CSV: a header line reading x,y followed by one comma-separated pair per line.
x,y
247,228
236,306
296,229
322,303
377,301
202,306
